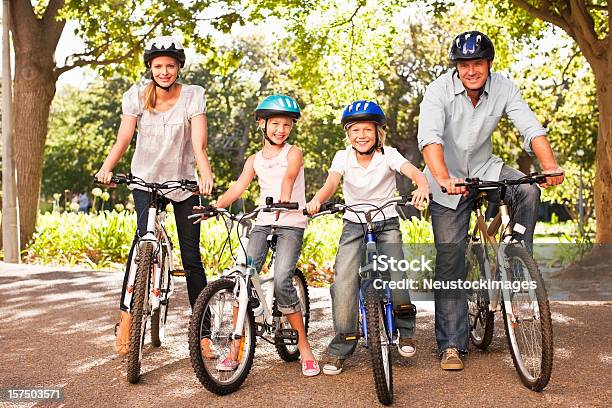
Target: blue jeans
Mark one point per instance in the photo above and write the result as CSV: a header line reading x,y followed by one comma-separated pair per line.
x,y
288,250
345,289
450,229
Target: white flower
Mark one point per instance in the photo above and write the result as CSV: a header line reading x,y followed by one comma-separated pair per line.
x,y
57,196
97,192
119,207
105,196
74,207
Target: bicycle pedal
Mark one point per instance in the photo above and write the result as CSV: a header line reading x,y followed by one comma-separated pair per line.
x,y
178,273
288,337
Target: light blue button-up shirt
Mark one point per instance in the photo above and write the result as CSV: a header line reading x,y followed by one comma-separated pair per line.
x,y
448,118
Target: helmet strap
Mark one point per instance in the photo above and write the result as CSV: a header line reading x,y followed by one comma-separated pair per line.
x,y
265,133
373,148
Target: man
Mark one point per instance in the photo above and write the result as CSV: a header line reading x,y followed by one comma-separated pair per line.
x,y
459,112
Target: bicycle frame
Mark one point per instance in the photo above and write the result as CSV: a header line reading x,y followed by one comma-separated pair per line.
x,y
371,251
488,232
157,235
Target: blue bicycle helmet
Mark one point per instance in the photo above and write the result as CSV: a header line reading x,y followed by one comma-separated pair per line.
x,y
471,45
363,111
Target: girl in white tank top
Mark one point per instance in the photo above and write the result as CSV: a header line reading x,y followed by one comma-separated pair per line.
x,y
280,173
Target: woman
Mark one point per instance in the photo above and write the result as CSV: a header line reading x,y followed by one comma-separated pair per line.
x,y
171,122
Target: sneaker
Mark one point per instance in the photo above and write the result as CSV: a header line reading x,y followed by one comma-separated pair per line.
x,y
122,333
406,347
451,360
206,348
227,365
333,365
310,368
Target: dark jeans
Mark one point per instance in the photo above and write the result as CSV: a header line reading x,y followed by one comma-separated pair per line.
x,y
189,241
450,229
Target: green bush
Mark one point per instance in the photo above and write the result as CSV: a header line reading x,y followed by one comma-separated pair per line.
x,y
104,240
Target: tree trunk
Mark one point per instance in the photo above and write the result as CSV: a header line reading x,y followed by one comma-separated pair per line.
x,y
603,158
34,91
35,40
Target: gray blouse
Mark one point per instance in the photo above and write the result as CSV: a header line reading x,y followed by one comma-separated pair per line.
x,y
163,145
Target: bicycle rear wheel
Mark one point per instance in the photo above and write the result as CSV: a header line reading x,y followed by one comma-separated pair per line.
x,y
140,311
378,343
214,317
292,353
528,322
481,319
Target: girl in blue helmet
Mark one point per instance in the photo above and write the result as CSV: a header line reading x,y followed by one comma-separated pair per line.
x,y
280,172
368,169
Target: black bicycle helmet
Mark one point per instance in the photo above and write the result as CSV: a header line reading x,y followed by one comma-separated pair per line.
x,y
471,45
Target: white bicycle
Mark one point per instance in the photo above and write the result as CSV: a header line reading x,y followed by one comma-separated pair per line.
x,y
240,305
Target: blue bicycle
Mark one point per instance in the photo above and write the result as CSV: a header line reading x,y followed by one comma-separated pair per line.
x,y
376,309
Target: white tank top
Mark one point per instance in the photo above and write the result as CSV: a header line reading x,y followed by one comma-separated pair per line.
x,y
270,173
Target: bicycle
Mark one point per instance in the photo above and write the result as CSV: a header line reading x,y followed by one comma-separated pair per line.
x,y
376,309
150,277
239,306
519,294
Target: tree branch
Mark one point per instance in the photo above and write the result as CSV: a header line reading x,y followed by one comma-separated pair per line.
x,y
586,24
50,24
544,14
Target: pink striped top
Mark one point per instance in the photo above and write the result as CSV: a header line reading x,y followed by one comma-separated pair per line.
x,y
270,173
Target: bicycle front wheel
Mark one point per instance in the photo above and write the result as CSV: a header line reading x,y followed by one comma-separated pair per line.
x,y
378,343
287,352
160,315
214,317
527,319
481,319
140,312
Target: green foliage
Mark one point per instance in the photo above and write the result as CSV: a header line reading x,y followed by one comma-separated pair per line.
x,y
82,128
104,240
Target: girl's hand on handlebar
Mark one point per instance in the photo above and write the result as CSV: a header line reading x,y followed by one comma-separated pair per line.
x,y
203,217
420,197
206,184
313,207
105,177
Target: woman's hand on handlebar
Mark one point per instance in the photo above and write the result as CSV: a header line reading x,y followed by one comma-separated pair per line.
x,y
203,217
420,197
105,177
206,184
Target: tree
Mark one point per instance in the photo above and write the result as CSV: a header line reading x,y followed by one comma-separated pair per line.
x,y
113,32
588,23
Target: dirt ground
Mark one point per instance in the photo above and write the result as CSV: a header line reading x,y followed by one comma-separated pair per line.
x,y
57,330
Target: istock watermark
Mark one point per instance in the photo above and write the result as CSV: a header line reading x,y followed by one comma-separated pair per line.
x,y
459,284
383,263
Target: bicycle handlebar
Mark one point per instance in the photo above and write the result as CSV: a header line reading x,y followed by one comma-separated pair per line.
x,y
189,185
477,184
270,206
332,208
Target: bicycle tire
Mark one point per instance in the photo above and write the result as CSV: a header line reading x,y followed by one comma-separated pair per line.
x,y
481,319
160,315
292,353
516,332
139,312
380,355
211,378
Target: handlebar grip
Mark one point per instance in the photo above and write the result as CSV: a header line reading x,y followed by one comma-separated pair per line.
x,y
288,206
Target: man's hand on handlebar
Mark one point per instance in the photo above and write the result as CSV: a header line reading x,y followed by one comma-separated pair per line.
x,y
449,186
553,181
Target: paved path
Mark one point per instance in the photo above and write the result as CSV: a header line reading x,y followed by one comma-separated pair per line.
x,y
57,330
